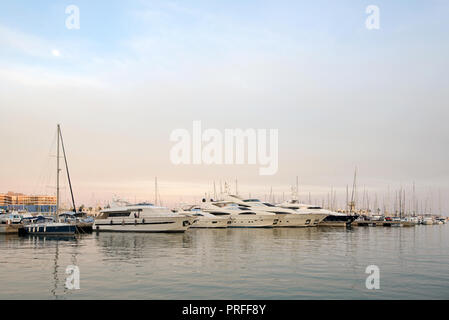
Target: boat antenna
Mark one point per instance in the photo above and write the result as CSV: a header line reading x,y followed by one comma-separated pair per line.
x,y
67,169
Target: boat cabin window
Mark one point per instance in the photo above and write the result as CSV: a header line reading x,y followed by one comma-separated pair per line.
x,y
246,212
217,213
197,215
118,214
269,204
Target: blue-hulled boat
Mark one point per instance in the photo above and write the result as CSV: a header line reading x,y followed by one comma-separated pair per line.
x,y
53,226
56,228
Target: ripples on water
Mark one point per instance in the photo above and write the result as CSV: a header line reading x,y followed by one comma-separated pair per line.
x,y
287,263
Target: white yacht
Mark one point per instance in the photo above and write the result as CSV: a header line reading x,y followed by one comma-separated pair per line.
x,y
205,219
330,219
143,217
240,217
286,217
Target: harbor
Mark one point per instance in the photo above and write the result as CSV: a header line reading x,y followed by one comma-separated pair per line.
x,y
224,150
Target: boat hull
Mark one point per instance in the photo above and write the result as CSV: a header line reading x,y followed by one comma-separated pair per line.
x,y
253,221
297,220
337,221
210,223
55,229
156,224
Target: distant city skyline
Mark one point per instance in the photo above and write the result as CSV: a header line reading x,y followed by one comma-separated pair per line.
x,y
340,95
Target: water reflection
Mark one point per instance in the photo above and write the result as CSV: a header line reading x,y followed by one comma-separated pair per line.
x,y
279,263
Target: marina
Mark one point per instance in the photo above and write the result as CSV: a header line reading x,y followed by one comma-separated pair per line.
x,y
224,150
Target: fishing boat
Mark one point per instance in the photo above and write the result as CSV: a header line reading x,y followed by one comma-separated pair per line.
x,y
54,226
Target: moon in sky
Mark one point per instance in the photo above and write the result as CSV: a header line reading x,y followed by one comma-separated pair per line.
x,y
55,52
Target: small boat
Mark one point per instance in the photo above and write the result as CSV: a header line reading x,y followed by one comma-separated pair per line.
x,y
409,221
11,218
427,221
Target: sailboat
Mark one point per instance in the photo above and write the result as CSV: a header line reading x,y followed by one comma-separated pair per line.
x,y
54,226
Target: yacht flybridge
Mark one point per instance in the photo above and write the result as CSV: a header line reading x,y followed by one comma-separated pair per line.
x,y
142,217
286,217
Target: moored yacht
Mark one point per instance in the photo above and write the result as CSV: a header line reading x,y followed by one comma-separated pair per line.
x,y
143,217
204,219
286,217
330,219
240,217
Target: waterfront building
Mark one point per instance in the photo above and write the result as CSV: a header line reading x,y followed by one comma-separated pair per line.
x,y
31,203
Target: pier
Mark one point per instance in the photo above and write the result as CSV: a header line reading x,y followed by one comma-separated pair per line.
x,y
10,228
377,223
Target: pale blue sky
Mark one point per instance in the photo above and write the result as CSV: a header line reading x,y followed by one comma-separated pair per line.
x,y
341,95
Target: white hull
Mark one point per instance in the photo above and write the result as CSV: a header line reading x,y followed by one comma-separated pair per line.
x,y
253,221
211,223
148,224
300,220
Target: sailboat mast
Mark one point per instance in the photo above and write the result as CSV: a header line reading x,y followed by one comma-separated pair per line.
x,y
67,171
155,191
57,173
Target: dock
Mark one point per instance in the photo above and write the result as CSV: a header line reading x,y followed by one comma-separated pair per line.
x,y
377,223
10,228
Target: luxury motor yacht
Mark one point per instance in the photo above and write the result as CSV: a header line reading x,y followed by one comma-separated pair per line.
x,y
331,219
286,217
204,219
239,216
143,217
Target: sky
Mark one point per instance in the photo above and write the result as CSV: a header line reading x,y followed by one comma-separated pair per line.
x,y
340,95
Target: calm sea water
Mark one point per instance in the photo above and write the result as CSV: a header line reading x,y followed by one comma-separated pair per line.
x,y
312,263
